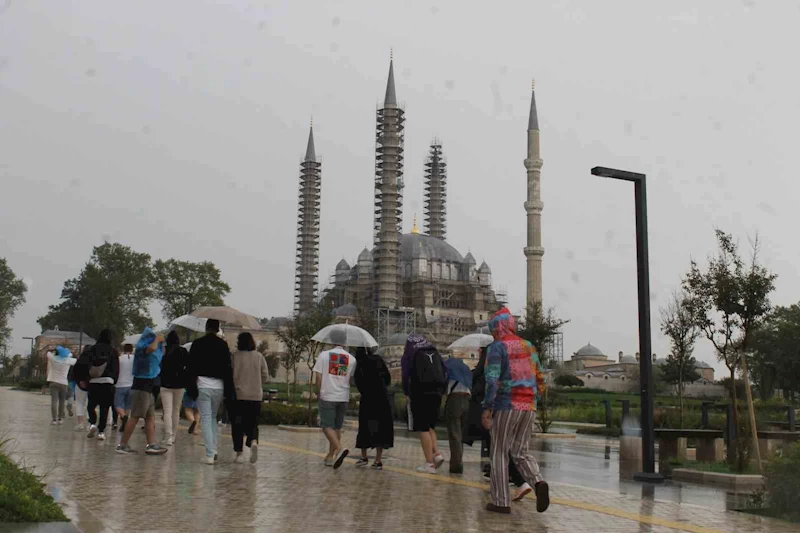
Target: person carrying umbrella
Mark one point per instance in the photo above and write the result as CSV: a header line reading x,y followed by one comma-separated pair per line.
x,y
456,408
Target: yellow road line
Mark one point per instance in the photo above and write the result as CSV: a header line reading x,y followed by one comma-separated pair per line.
x,y
610,511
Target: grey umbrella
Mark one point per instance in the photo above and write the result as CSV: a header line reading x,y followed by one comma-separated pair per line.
x,y
228,315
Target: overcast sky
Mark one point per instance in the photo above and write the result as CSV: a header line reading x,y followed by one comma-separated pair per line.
x,y
177,128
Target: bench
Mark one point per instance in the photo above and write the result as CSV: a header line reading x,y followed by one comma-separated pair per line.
x,y
771,441
672,444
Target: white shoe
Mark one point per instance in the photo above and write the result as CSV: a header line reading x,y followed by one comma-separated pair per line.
x,y
101,436
60,421
54,422
207,460
92,432
254,452
523,491
438,460
80,427
426,469
239,459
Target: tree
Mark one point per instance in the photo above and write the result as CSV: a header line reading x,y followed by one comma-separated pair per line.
x,y
728,301
112,291
677,324
774,354
202,281
539,327
273,361
12,295
568,380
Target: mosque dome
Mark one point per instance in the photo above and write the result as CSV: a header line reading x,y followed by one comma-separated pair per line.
x,y
418,246
484,268
277,322
469,259
343,265
629,359
365,255
589,351
346,310
398,339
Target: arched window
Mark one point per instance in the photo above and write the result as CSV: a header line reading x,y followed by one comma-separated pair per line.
x,y
605,377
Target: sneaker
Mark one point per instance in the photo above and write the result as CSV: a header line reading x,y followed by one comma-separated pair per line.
x,y
154,449
340,458
191,427
497,509
238,459
114,427
125,449
363,461
206,460
523,491
69,409
80,427
54,422
60,421
101,436
438,460
427,468
329,461
377,466
92,432
253,452
542,496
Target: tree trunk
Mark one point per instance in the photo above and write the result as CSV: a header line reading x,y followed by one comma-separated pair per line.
x,y
733,445
752,413
680,400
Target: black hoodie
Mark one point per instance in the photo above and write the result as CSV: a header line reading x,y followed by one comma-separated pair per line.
x,y
102,353
174,364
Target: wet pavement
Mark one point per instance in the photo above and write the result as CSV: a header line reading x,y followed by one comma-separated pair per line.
x,y
289,489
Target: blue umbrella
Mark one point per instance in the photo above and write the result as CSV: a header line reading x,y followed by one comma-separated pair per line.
x,y
458,371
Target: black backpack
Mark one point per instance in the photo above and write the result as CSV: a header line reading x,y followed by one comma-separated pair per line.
x,y
429,376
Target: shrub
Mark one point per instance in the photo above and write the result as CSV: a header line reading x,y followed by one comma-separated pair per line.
x,y
782,483
31,384
273,414
22,498
568,380
604,431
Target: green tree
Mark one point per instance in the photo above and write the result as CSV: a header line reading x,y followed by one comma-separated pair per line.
x,y
568,380
12,295
538,327
112,291
728,301
202,280
677,324
774,355
273,361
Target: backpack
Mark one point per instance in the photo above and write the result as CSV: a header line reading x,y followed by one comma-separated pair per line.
x,y
429,376
97,370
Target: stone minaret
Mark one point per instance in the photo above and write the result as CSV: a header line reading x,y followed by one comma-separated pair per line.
x,y
308,229
436,192
533,206
388,197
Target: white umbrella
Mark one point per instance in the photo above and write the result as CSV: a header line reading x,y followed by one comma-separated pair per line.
x,y
345,335
131,339
473,341
190,322
228,315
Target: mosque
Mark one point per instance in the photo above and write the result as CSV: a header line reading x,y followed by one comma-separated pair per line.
x,y
417,281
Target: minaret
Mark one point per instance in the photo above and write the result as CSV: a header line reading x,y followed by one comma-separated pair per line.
x,y
308,229
533,206
436,192
388,197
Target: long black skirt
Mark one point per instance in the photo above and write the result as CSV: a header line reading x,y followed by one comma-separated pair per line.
x,y
375,424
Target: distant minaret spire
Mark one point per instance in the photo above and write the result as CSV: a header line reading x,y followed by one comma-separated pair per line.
x,y
308,228
436,192
533,206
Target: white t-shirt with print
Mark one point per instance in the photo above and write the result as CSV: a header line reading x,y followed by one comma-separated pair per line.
x,y
336,367
58,368
125,371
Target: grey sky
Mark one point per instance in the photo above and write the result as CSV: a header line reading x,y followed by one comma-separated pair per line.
x,y
177,128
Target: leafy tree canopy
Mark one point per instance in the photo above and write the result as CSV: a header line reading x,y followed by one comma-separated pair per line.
x,y
12,295
538,327
173,279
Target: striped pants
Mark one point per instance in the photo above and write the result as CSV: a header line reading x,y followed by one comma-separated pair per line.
x,y
511,433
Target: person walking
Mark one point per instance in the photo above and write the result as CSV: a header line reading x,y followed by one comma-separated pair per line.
x,y
58,367
513,377
80,399
375,420
191,413
332,373
250,373
456,409
174,378
100,363
122,390
423,384
210,380
146,370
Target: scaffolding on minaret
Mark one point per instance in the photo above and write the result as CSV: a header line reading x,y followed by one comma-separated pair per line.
x,y
307,270
436,192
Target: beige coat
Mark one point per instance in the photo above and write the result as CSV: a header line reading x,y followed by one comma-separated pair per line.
x,y
250,372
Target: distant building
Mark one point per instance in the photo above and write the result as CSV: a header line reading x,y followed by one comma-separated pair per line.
x,y
74,341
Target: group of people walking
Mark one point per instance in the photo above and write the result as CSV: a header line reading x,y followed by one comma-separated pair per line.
x,y
161,368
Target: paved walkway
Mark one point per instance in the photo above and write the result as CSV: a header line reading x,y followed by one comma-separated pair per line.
x,y
290,490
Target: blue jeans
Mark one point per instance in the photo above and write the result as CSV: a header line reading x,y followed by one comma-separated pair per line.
x,y
208,401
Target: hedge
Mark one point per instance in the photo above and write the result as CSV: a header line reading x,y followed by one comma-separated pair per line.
x,y
22,498
274,413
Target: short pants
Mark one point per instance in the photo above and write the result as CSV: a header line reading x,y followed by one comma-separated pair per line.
x,y
143,398
122,398
423,412
331,414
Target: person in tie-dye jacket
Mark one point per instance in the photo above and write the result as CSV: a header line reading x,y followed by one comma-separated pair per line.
x,y
513,378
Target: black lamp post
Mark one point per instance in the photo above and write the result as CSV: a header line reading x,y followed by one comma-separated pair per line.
x,y
645,360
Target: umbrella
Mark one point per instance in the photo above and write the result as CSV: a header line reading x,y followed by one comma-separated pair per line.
x,y
131,339
228,315
188,346
458,371
473,341
345,335
190,322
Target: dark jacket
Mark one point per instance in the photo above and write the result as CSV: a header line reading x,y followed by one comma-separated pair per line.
x,y
210,357
473,428
174,367
93,356
375,420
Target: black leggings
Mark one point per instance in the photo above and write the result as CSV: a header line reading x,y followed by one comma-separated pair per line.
x,y
101,394
245,422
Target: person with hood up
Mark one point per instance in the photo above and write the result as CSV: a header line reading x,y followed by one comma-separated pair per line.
x,y
58,366
174,379
513,378
146,372
424,383
375,421
99,365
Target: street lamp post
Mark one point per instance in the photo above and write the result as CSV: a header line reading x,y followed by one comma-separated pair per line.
x,y
645,360
30,359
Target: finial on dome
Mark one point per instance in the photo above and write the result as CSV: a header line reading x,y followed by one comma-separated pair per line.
x,y
533,83
391,54
414,228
